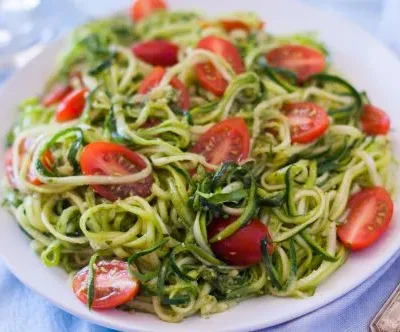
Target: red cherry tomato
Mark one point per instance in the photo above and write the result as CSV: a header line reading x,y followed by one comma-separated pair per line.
x,y
104,158
157,52
374,121
370,212
242,247
47,161
208,76
113,285
228,140
211,79
8,166
151,80
225,49
57,94
307,121
302,60
155,77
72,106
230,25
142,8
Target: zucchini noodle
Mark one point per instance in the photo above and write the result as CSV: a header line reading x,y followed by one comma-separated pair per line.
x,y
300,191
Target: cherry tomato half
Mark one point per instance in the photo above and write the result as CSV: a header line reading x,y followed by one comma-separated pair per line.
x,y
228,140
57,94
157,52
104,158
71,106
307,121
374,121
242,247
230,25
302,60
8,166
142,8
113,285
47,161
209,77
155,77
370,212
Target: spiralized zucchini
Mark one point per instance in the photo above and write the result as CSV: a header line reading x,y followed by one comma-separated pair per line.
x,y
299,190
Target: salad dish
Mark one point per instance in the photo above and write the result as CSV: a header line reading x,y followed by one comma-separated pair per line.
x,y
177,164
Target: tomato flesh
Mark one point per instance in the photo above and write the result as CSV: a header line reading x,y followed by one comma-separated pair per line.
x,y
47,160
57,94
151,80
370,213
113,285
211,79
230,25
142,8
374,121
308,121
104,158
157,52
72,106
242,247
208,76
225,49
302,60
8,166
228,140
155,77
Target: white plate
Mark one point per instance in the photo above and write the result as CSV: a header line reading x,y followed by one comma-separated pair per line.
x,y
364,60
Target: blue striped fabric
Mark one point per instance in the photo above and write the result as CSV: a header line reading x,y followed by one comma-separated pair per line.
x,y
23,310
